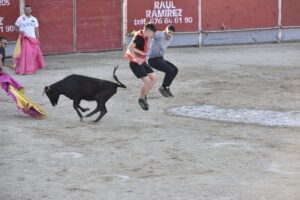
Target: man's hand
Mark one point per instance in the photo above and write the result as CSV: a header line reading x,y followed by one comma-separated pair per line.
x,y
17,29
139,60
9,66
131,47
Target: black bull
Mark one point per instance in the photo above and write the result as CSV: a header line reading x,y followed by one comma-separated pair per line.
x,y
78,87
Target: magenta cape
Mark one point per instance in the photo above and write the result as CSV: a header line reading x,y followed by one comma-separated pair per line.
x,y
16,91
30,57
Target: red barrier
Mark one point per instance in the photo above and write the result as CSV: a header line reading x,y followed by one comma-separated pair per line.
x,y
9,12
182,14
56,24
291,13
99,22
239,14
99,25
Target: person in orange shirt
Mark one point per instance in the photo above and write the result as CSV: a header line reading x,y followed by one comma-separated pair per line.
x,y
137,53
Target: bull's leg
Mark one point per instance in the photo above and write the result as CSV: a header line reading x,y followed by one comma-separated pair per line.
x,y
97,109
102,103
76,106
103,112
81,108
99,99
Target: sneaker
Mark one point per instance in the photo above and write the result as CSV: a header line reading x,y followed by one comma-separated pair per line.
x,y
169,92
163,91
144,104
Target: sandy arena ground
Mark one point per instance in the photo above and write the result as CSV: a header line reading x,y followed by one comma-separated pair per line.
x,y
136,155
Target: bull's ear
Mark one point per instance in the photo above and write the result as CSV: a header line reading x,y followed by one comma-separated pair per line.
x,y
44,91
47,89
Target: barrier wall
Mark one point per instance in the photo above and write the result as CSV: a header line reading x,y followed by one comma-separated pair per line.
x,y
184,16
221,21
78,25
9,11
68,26
56,24
239,21
239,14
291,13
290,20
98,25
162,13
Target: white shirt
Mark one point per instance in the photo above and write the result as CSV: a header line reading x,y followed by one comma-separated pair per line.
x,y
27,25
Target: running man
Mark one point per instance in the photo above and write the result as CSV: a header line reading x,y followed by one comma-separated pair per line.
x,y
156,59
137,53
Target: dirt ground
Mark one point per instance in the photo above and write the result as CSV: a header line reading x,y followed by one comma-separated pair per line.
x,y
136,155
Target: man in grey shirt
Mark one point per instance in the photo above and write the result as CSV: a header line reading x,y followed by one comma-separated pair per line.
x,y
160,43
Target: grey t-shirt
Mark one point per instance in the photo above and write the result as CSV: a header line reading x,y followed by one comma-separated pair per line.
x,y
159,44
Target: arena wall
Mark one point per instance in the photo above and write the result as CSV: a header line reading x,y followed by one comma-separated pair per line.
x,y
68,26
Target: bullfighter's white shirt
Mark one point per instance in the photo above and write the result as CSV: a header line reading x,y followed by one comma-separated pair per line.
x,y
27,25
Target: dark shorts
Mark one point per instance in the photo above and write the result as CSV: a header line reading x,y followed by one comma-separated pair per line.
x,y
140,71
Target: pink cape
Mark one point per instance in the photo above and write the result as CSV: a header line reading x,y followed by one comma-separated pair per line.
x,y
30,59
16,91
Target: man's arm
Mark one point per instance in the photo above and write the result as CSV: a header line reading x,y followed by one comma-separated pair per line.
x,y
17,29
1,64
17,26
9,66
37,33
130,48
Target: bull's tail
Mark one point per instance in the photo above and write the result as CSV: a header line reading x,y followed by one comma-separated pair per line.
x,y
116,78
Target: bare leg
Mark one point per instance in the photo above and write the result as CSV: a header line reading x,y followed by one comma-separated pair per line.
x,y
149,82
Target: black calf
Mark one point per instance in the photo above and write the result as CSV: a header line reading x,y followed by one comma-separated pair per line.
x,y
77,88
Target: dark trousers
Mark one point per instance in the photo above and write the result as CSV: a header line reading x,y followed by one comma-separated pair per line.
x,y
160,64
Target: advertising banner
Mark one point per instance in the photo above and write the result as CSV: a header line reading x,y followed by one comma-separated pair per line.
x,y
183,15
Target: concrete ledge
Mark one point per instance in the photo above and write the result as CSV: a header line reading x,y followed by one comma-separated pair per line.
x,y
185,39
291,34
180,39
10,48
239,37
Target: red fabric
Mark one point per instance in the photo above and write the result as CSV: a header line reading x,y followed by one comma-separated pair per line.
x,y
145,51
31,58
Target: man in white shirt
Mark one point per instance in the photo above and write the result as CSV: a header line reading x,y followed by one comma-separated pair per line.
x,y
28,56
27,24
